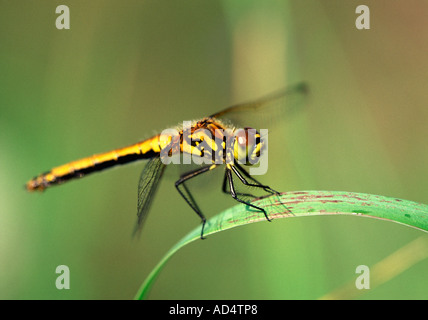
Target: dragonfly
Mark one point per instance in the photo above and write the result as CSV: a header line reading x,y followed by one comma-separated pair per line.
x,y
215,138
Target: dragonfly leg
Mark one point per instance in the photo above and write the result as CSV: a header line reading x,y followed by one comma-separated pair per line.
x,y
225,190
237,169
235,195
187,196
258,184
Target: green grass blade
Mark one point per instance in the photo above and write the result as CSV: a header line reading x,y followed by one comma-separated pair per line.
x,y
303,203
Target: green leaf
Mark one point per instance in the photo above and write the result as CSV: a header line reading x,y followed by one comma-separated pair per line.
x,y
299,204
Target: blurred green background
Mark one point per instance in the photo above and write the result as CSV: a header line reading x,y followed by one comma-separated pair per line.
x,y
128,69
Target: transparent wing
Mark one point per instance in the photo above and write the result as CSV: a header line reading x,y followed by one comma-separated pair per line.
x,y
147,187
267,110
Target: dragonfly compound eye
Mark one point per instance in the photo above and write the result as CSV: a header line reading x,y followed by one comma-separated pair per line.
x,y
247,146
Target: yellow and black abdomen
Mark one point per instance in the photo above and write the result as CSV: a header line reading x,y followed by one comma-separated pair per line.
x,y
142,150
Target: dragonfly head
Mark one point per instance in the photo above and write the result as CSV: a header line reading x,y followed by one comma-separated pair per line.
x,y
247,146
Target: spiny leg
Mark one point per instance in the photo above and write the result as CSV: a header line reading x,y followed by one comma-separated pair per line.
x,y
188,196
235,195
224,188
266,188
257,184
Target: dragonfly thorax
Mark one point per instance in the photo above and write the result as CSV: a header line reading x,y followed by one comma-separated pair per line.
x,y
210,142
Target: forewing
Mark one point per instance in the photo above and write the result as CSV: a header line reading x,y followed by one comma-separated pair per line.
x,y
267,110
147,187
